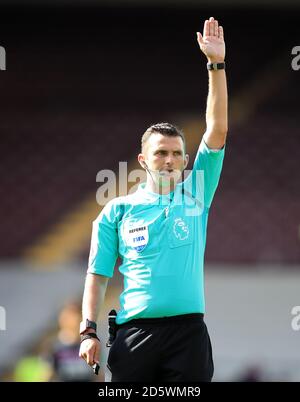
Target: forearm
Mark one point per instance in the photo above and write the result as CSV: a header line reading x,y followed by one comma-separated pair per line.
x,y
93,296
212,44
217,110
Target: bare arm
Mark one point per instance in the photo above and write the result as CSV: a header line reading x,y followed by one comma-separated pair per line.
x,y
93,299
213,46
93,296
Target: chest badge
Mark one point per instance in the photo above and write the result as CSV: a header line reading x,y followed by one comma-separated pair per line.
x,y
137,236
180,229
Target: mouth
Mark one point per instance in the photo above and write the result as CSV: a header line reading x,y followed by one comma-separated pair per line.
x,y
166,171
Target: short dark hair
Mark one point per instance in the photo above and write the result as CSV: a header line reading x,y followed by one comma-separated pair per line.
x,y
166,129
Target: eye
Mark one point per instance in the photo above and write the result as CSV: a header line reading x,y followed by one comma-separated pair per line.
x,y
161,153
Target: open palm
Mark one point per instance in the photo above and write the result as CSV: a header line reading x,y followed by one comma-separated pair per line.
x,y
212,42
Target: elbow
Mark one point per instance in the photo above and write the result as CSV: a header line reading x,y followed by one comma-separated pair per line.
x,y
220,130
217,128
223,134
216,137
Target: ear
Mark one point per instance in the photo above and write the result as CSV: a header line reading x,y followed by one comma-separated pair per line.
x,y
186,160
141,159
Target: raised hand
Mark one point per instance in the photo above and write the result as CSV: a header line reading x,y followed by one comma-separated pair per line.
x,y
212,42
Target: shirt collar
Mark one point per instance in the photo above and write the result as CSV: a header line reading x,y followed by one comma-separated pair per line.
x,y
151,196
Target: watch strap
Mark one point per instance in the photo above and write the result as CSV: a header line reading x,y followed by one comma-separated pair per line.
x,y
216,66
91,335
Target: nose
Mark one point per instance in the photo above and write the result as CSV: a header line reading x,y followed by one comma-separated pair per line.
x,y
169,159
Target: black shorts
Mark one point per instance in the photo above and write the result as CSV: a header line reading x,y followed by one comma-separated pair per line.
x,y
163,349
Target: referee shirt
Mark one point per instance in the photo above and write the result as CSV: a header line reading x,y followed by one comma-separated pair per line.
x,y
161,242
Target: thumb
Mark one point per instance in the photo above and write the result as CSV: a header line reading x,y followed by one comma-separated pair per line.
x,y
199,37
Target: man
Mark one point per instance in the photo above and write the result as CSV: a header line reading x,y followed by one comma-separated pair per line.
x,y
160,233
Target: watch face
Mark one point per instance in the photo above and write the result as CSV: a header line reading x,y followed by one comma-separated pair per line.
x,y
91,324
87,324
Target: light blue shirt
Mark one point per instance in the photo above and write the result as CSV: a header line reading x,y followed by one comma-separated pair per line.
x,y
161,241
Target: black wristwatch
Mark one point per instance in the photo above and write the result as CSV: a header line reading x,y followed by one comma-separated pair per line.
x,y
84,325
216,66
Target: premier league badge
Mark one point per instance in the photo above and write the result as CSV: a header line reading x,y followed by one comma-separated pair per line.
x,y
180,229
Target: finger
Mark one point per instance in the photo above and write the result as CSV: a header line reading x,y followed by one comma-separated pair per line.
x,y
90,358
96,356
206,28
199,37
82,355
211,26
216,28
221,33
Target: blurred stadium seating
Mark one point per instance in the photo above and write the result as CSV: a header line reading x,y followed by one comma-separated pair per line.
x,y
60,124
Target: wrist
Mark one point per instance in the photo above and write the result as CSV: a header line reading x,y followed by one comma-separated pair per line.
x,y
89,336
89,331
215,59
216,66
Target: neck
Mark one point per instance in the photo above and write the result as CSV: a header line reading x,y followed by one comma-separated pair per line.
x,y
159,189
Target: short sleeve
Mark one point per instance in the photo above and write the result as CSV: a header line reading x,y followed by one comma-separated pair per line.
x,y
104,242
206,171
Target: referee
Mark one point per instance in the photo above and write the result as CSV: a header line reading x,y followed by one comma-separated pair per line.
x,y
160,234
